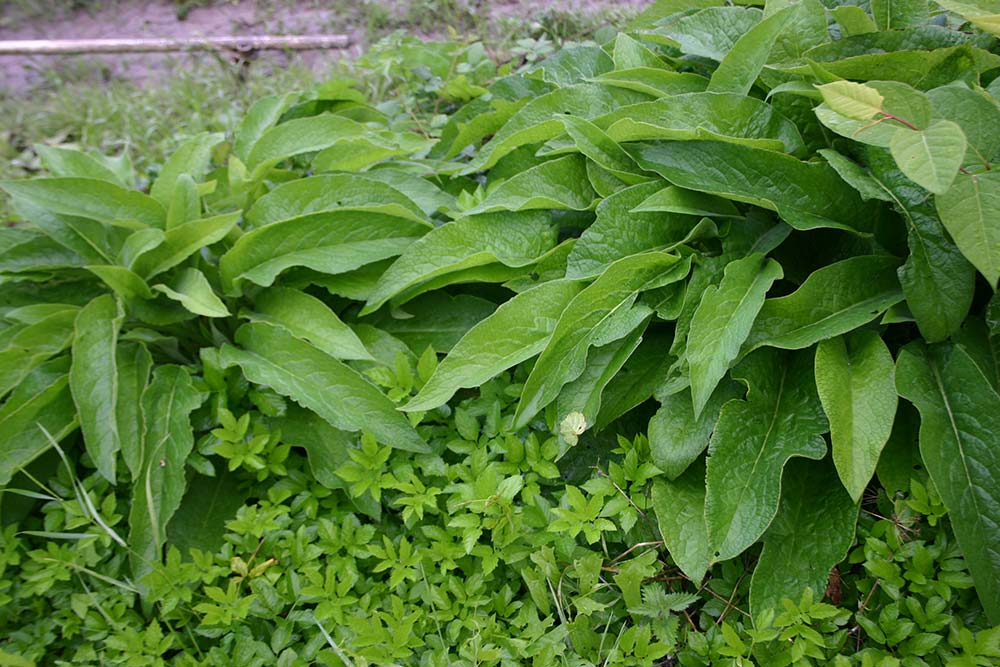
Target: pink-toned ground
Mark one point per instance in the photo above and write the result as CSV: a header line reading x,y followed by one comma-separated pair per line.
x,y
159,18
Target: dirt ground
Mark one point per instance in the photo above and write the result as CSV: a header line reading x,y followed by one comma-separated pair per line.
x,y
361,20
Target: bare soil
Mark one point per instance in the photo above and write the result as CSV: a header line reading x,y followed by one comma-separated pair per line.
x,y
361,20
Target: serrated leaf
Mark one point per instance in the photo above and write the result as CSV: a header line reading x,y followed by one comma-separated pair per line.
x,y
517,331
781,418
833,300
564,357
856,385
930,158
679,505
959,430
332,243
514,240
308,318
968,210
723,320
93,380
271,356
816,518
159,485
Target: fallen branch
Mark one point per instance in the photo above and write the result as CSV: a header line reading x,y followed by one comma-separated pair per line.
x,y
45,47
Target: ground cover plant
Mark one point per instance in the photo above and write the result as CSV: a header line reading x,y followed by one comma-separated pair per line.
x,y
674,349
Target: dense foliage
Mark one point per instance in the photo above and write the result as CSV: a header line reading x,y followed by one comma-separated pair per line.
x,y
680,283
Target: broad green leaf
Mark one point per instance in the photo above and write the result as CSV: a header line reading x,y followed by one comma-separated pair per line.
x,y
969,212
807,195
573,64
42,400
723,320
49,334
132,363
137,243
330,193
898,99
637,379
535,121
720,116
808,27
512,239
781,418
273,357
192,290
295,137
629,52
264,114
66,162
812,532
209,504
680,514
976,113
564,357
26,251
853,20
334,242
518,330
983,15
959,430
899,14
709,33
182,241
89,239
421,191
654,81
583,395
327,447
833,300
125,283
619,232
673,199
924,57
93,380
90,198
867,186
158,488
676,437
191,159
930,158
557,184
596,145
308,318
938,282
741,66
436,319
853,100
855,381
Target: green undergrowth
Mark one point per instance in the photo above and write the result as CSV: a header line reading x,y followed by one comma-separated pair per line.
x,y
674,349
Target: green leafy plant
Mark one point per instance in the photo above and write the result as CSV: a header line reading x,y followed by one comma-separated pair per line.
x,y
680,283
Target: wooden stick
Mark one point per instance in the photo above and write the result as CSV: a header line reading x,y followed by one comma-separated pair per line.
x,y
46,47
